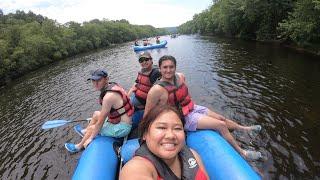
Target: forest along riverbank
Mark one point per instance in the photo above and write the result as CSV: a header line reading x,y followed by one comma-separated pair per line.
x,y
294,23
29,41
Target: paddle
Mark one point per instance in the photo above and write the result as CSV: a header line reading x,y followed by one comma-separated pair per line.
x,y
59,122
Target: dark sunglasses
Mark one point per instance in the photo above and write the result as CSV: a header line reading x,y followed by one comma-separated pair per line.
x,y
141,60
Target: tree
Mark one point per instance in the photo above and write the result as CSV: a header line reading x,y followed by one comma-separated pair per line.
x,y
303,24
28,40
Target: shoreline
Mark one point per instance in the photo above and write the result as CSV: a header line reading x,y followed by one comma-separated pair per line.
x,y
5,82
307,51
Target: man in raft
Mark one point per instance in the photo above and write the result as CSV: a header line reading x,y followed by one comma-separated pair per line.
x,y
147,76
115,105
172,89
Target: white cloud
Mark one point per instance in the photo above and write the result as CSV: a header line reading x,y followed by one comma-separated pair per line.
x,y
158,13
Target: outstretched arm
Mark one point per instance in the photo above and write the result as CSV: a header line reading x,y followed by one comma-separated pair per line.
x,y
132,89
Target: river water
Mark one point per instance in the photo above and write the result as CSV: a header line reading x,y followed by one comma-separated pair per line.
x,y
251,83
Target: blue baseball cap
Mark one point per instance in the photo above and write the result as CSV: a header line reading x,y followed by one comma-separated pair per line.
x,y
98,74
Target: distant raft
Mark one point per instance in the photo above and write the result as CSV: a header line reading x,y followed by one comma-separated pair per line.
x,y
151,46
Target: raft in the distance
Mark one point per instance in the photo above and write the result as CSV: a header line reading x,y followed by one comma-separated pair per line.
x,y
162,44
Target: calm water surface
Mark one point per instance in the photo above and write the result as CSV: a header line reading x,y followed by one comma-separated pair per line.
x,y
249,82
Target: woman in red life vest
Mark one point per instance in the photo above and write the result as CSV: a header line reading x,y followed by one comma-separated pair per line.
x,y
145,80
172,89
163,153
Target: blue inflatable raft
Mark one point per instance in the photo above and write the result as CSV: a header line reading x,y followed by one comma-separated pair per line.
x,y
152,46
99,160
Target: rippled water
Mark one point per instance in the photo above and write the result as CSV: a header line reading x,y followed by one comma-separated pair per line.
x,y
245,81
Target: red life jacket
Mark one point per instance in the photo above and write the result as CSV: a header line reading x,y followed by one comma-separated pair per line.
x,y
144,84
190,168
126,108
178,95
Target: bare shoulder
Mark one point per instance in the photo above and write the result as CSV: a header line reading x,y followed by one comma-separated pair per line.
x,y
196,155
157,95
156,91
199,161
182,76
198,158
111,96
138,168
157,88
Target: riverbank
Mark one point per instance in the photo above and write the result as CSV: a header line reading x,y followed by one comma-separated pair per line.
x,y
5,81
313,51
310,51
294,47
29,41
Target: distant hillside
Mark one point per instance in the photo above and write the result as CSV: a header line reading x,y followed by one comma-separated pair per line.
x,y
171,30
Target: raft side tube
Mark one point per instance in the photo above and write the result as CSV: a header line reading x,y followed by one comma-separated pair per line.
x,y
221,160
128,149
98,161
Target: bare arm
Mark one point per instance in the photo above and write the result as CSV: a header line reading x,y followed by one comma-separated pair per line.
x,y
108,101
153,98
182,77
132,89
199,161
137,169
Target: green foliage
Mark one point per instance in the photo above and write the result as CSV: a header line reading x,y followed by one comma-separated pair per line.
x,y
291,20
28,41
303,24
248,19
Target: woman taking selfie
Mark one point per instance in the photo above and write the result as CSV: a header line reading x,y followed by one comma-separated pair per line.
x,y
163,153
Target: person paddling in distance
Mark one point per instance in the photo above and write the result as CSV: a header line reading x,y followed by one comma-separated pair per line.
x,y
157,40
172,89
136,42
145,80
163,153
115,105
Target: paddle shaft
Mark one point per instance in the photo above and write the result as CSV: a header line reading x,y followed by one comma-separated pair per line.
x,y
79,120
58,123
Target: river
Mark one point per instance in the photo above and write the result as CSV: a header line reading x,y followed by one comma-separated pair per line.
x,y
249,82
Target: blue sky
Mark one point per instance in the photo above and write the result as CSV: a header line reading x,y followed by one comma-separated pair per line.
x,y
158,13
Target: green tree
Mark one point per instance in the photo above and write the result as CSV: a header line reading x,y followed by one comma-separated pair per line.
x,y
303,24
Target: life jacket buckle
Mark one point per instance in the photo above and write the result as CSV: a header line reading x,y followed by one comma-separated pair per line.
x,y
121,110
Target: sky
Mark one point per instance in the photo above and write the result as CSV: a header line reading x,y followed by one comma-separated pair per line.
x,y
158,13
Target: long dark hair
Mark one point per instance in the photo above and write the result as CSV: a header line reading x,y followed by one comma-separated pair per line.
x,y
167,57
146,122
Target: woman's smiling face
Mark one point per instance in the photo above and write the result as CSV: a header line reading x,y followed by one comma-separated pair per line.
x,y
165,137
167,69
